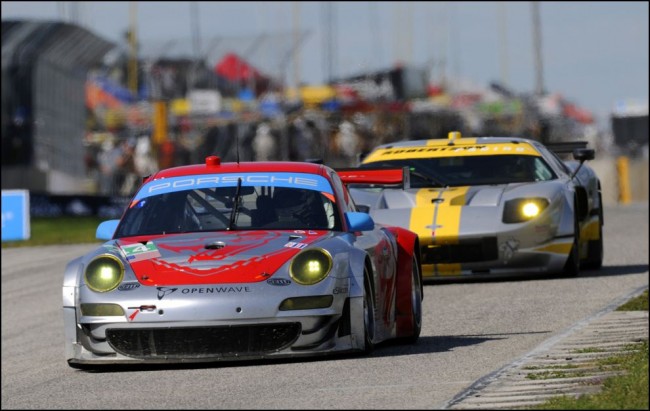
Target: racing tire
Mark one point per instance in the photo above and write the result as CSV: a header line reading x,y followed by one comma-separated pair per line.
x,y
368,315
416,302
572,265
595,247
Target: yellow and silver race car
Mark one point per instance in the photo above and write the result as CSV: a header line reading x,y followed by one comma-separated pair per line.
x,y
487,206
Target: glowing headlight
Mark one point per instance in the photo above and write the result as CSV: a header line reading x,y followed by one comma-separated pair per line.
x,y
310,266
104,273
523,209
530,209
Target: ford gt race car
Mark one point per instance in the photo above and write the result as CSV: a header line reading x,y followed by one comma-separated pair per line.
x,y
487,206
234,261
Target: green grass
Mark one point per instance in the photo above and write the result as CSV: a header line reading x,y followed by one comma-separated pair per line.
x,y
59,230
587,350
553,374
639,303
550,367
623,392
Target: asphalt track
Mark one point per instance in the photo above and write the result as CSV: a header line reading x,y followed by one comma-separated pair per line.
x,y
470,330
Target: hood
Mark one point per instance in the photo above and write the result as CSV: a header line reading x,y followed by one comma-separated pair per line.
x,y
213,258
486,195
441,213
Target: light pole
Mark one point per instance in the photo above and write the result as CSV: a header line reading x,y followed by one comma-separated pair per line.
x,y
133,60
537,49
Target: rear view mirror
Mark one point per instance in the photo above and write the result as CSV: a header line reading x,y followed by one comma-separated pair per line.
x,y
584,154
106,229
359,221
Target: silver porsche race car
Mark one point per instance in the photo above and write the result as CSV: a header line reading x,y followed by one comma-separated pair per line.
x,y
233,261
487,206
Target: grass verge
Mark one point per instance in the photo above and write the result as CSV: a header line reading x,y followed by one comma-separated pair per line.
x,y
624,392
59,230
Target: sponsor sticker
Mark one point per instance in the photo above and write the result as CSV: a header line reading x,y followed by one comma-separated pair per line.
x,y
278,281
139,251
128,286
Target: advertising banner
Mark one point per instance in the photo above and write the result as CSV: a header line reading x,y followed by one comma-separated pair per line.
x,y
15,215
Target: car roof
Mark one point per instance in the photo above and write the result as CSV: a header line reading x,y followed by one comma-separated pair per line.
x,y
213,165
458,141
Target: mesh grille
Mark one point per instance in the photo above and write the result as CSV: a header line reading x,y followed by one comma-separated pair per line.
x,y
468,251
202,342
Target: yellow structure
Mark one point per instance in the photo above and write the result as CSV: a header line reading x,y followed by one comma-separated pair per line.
x,y
159,122
622,168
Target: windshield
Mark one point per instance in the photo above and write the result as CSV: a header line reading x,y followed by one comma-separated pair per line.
x,y
471,170
214,203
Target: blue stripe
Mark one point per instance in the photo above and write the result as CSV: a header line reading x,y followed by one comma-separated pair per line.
x,y
194,182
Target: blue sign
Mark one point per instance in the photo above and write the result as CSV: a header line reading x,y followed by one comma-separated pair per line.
x,y
15,215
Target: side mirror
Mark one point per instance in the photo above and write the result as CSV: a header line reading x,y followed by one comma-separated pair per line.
x,y
106,229
363,208
584,154
358,221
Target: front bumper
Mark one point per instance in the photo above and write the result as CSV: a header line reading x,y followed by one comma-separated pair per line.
x,y
114,340
502,255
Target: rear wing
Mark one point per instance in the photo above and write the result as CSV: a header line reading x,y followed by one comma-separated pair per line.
x,y
378,176
577,148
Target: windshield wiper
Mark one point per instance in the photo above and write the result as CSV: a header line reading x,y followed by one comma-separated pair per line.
x,y
235,206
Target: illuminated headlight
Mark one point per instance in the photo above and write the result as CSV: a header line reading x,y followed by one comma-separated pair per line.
x,y
310,266
523,209
104,273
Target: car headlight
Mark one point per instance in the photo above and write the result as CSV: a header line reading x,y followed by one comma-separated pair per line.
x,y
523,209
310,266
104,273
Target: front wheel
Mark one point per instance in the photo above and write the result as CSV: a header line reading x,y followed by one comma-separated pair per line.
x,y
416,302
572,265
368,315
595,247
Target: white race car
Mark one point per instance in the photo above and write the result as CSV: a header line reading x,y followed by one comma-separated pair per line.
x,y
237,261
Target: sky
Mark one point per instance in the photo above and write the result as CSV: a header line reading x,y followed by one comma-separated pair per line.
x,y
593,53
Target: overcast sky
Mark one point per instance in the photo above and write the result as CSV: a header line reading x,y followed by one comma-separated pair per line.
x,y
593,53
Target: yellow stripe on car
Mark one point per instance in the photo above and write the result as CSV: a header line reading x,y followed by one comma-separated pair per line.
x,y
589,230
557,247
436,215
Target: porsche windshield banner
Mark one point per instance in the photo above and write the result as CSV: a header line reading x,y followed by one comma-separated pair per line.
x,y
291,180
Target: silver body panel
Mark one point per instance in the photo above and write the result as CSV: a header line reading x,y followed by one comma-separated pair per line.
x,y
232,304
467,220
